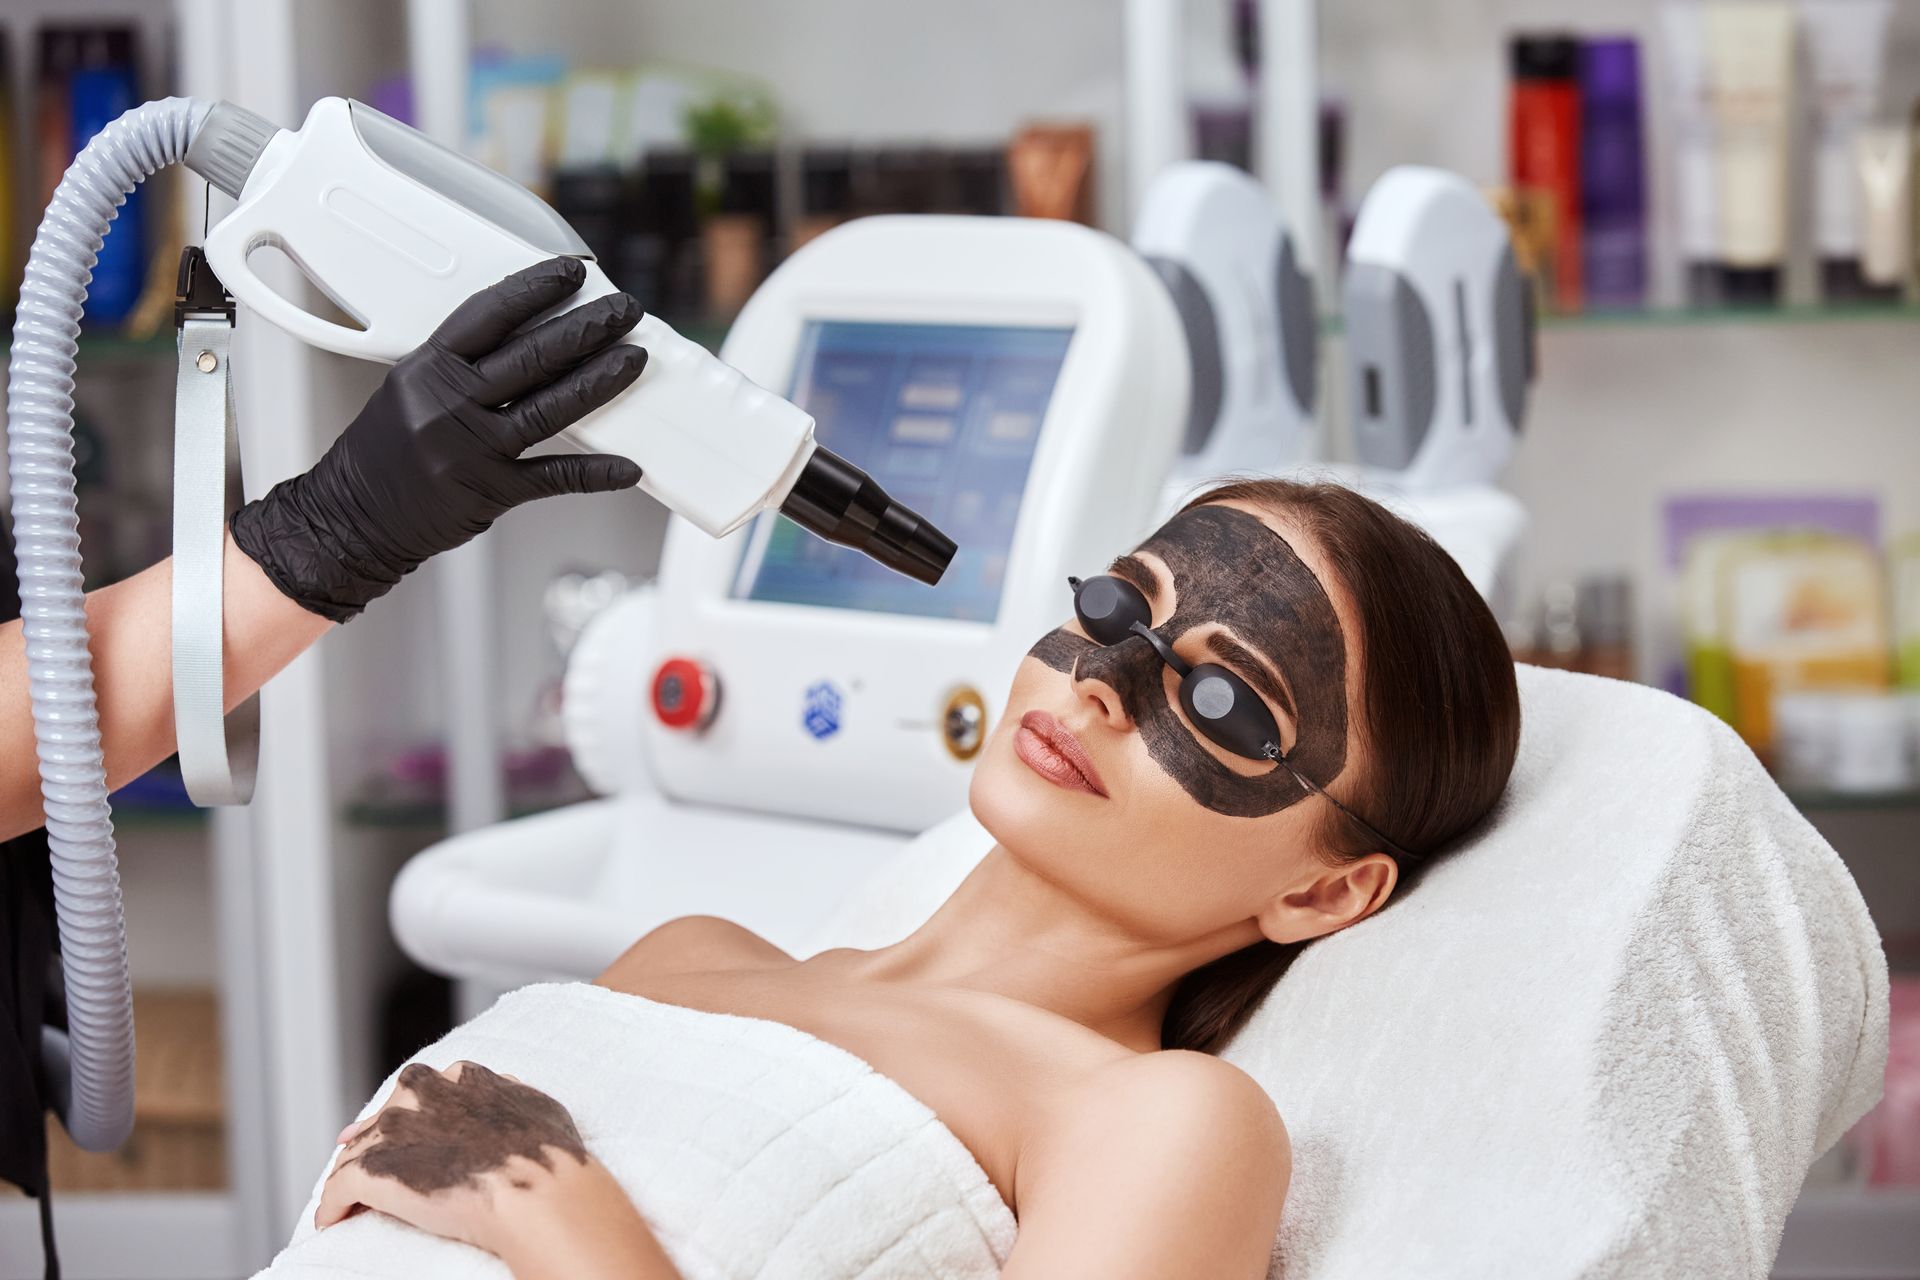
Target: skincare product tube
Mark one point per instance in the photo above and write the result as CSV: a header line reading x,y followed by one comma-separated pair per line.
x,y
1544,145
1696,202
1613,207
1846,44
1883,160
1750,75
1913,206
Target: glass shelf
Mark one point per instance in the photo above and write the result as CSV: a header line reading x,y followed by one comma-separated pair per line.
x,y
1813,801
432,813
384,815
1716,317
144,817
114,347
1696,317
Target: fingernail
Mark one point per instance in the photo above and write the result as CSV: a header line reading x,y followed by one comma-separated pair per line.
x,y
630,308
634,357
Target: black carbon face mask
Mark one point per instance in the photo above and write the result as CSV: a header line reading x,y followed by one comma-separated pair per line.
x,y
1231,571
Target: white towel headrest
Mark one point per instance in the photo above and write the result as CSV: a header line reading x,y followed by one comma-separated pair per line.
x,y
1605,1036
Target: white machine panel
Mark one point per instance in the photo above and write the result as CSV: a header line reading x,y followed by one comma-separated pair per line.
x,y
1212,234
1022,384
1439,332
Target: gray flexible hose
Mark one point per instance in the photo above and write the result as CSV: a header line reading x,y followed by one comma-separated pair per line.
x,y
86,878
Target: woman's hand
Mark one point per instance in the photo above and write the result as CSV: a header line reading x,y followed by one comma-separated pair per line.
x,y
479,1157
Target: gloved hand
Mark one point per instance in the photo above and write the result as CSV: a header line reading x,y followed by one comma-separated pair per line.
x,y
433,458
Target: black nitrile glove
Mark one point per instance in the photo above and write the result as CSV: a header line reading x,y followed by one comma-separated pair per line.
x,y
433,458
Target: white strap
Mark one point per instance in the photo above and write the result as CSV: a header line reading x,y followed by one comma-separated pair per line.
x,y
217,753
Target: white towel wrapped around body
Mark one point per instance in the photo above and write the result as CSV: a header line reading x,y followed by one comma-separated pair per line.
x,y
1604,1038
751,1147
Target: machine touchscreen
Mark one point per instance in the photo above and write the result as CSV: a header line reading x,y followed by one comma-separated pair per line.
x,y
945,418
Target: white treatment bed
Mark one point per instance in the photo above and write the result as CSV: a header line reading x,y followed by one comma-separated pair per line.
x,y
1606,1037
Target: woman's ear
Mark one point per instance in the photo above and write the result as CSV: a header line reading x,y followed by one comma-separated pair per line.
x,y
1331,901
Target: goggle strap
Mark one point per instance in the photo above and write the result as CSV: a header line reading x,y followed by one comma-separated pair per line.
x,y
1274,754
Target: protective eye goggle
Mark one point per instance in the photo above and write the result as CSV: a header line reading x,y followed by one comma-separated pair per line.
x,y
1219,703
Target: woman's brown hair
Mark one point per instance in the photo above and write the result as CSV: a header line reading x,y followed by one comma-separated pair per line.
x,y
1439,719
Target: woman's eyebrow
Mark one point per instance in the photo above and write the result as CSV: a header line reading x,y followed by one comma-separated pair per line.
x,y
1256,670
1138,572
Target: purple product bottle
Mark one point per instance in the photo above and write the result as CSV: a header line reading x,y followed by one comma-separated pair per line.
x,y
1613,202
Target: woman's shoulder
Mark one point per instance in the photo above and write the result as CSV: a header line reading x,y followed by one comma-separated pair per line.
x,y
697,944
1168,1103
1161,1163
1184,1086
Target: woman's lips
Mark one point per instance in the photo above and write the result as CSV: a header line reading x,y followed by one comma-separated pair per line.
x,y
1045,746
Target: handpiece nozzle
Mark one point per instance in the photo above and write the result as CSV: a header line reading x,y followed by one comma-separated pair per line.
x,y
841,503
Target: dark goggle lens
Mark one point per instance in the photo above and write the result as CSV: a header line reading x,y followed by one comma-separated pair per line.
x,y
1232,716
1107,608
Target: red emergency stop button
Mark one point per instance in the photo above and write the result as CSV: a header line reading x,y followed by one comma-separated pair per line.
x,y
685,694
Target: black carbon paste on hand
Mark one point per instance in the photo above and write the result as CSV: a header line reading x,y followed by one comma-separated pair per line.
x,y
1229,570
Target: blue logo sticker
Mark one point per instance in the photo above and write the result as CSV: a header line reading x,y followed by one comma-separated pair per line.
x,y
821,715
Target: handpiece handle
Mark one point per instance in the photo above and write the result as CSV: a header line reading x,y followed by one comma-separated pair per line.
x,y
392,252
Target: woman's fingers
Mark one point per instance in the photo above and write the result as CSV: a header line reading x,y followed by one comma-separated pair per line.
x,y
483,321
340,1198
538,356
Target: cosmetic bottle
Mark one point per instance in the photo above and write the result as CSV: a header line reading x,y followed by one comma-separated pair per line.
x,y
1604,612
11,264
53,141
1750,62
1613,207
1913,205
1559,641
1695,151
100,88
1544,145
1883,166
1219,82
1846,42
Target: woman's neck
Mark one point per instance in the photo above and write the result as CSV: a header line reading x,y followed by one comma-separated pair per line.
x,y
1011,932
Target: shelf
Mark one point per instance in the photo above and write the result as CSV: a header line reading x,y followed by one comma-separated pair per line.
x,y
1729,316
1715,317
1808,801
386,813
139,817
116,348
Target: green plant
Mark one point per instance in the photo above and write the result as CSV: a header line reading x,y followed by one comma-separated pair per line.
x,y
729,121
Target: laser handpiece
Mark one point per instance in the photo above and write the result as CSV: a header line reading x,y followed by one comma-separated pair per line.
x,y
397,230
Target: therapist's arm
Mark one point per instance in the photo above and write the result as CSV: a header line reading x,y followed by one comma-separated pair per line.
x,y
130,628
430,462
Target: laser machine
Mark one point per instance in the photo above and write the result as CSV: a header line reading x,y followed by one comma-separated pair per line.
x,y
1439,355
775,716
1212,234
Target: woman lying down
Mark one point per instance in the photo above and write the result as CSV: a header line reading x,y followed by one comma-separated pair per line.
x,y
1255,727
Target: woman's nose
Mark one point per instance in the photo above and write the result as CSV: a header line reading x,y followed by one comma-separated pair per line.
x,y
1098,679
